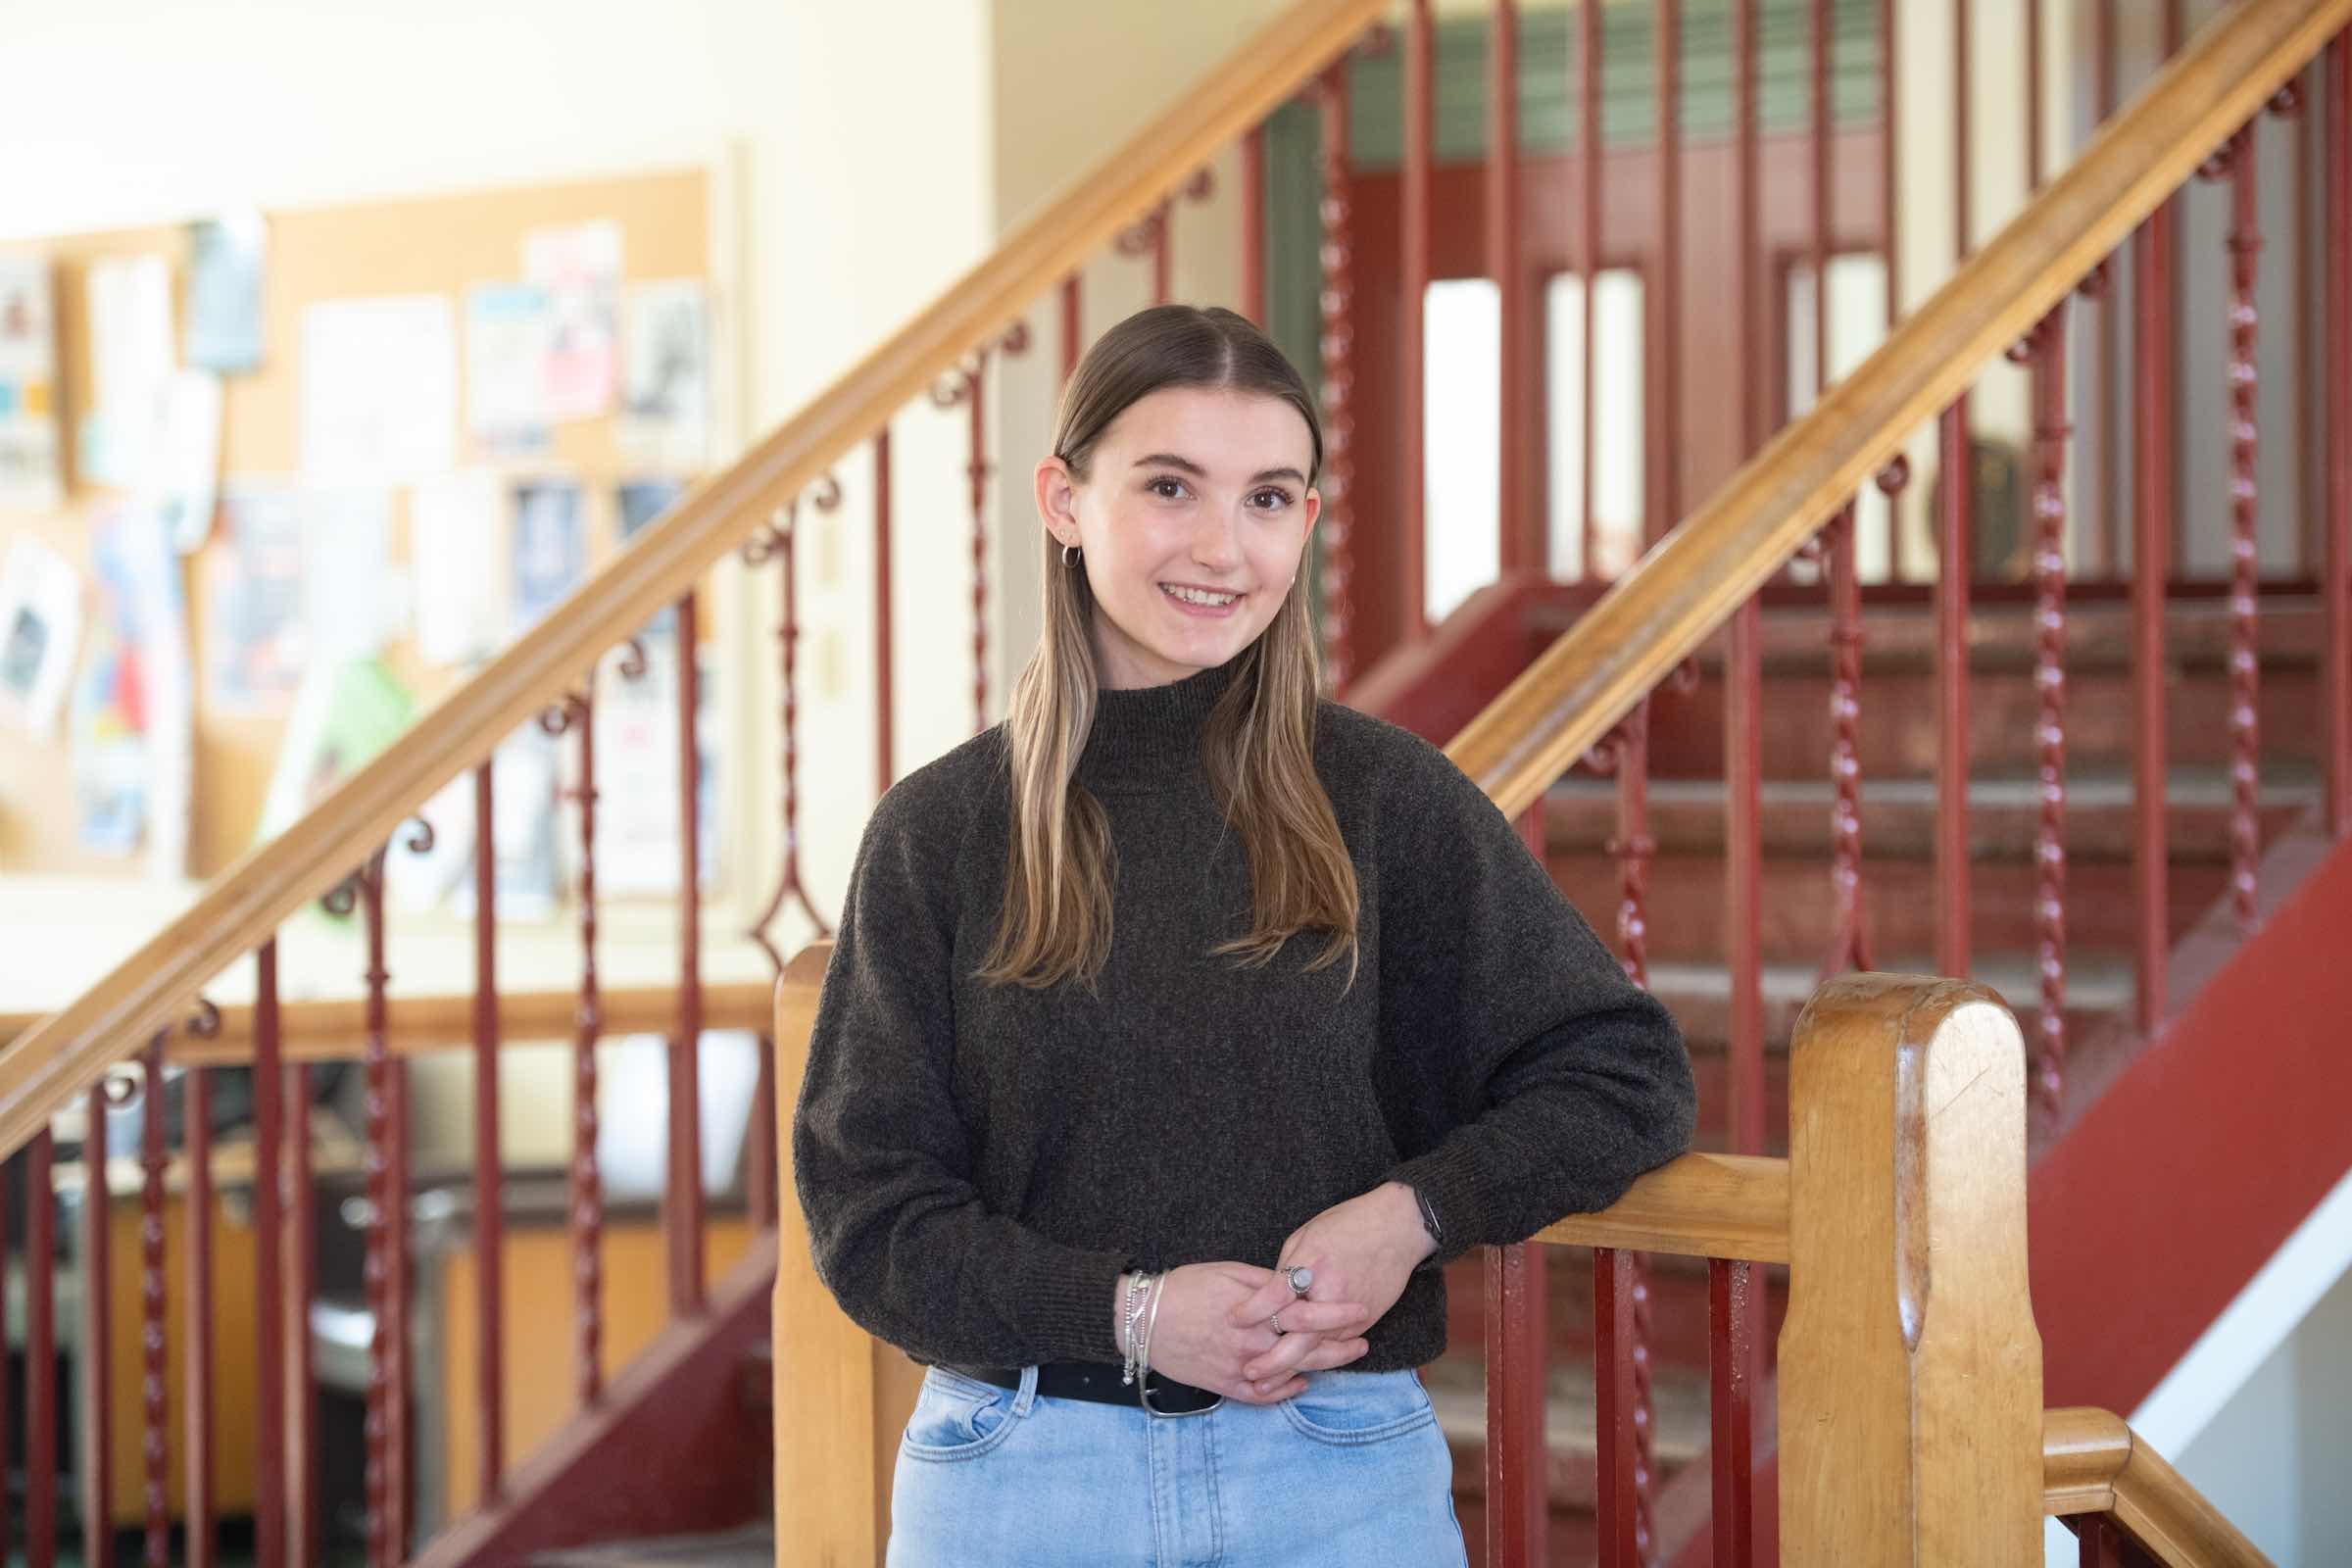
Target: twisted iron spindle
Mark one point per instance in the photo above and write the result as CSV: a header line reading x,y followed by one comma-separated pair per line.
x,y
155,1413
774,542
2236,163
1338,352
966,388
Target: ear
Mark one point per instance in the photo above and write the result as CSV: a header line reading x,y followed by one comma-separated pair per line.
x,y
1057,500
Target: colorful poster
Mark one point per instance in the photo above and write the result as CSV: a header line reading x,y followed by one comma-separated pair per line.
x,y
255,638
452,523
579,267
41,626
32,451
509,330
344,713
666,401
224,293
379,390
133,727
132,357
550,550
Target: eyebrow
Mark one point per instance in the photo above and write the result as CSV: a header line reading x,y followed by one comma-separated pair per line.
x,y
1169,460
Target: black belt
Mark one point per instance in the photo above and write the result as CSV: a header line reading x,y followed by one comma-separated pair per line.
x,y
1099,1380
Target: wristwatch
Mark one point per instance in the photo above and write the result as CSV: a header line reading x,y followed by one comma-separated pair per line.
x,y
1429,1223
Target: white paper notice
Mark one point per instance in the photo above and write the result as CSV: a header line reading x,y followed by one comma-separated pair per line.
x,y
508,328
183,474
454,529
353,602
580,270
379,390
132,347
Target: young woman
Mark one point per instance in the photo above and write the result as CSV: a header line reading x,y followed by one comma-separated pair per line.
x,y
1181,1025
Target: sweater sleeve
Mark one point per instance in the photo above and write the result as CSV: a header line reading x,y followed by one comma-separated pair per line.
x,y
1532,1078
882,1158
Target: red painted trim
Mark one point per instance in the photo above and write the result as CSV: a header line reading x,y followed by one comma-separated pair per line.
x,y
675,1447
2151,548
2110,349
1412,427
1438,685
2338,551
1253,244
1732,1362
1516,1515
2210,1147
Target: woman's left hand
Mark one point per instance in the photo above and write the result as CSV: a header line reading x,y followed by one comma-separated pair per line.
x,y
1361,1250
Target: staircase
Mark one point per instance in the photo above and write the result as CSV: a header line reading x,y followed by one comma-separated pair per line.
x,y
1546,676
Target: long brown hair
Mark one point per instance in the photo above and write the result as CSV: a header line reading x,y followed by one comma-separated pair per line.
x,y
1258,747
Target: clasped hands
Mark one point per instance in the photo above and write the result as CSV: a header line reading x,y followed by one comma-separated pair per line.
x,y
1213,1330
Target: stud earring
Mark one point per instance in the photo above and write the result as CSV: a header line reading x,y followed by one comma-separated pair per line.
x,y
1070,556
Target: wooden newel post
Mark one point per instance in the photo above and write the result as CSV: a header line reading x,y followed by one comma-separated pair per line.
x,y
1910,1368
842,1396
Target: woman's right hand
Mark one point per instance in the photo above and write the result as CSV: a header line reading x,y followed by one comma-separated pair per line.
x,y
1192,1342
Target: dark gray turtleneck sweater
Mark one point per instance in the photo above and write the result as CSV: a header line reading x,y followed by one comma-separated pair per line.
x,y
978,1164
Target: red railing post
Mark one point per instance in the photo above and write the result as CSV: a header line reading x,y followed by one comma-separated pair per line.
x,y
1617,1488
1337,349
1420,130
1730,1363
197,1139
2151,552
155,1413
2047,350
2336,556
1517,1517
1664,439
489,1201
1588,261
269,1237
40,1353
1520,546
97,1340
682,1188
2239,163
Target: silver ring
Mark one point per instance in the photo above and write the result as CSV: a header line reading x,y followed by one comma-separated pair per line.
x,y
1275,1323
1302,1278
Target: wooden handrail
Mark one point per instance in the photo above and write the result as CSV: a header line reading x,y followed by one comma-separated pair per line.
x,y
336,1029
1705,568
2091,1463
1702,1206
65,1055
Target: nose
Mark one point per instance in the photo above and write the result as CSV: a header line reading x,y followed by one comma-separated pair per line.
x,y
1216,540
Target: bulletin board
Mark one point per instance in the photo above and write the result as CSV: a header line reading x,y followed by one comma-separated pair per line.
x,y
441,245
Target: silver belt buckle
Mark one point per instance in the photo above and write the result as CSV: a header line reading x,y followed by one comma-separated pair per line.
x,y
1142,1393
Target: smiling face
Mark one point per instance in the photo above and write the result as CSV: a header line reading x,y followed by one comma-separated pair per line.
x,y
1192,516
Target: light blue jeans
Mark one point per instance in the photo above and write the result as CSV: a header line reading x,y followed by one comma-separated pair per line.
x,y
1351,1473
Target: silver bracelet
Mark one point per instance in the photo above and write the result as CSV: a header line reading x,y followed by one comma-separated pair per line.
x,y
1151,1322
1138,1284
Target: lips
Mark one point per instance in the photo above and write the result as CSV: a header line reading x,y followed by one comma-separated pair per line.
x,y
1193,601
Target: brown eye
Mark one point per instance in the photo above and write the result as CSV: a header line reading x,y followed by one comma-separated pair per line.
x,y
1272,498
1174,490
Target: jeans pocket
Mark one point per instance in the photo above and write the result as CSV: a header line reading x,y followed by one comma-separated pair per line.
x,y
956,1417
1346,1409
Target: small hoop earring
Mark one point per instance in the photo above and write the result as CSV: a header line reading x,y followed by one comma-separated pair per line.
x,y
1070,556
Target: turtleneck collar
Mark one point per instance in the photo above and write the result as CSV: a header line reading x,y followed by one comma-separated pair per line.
x,y
1148,736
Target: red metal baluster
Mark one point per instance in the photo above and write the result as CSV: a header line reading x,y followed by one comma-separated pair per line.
x,y
489,1195
775,542
1961,145
40,1353
1665,373
2034,77
1253,223
2336,556
1420,130
1898,554
97,1336
682,1186
1849,941
1072,333
2151,552
2047,349
1731,1368
966,388
196,1139
1743,675
885,771
155,1413
1616,1492
2111,439
2237,161
1588,260
1521,544
1338,349
7,1404
269,1237
1955,489
1517,1513
1819,188
304,1521
377,1270
399,1290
